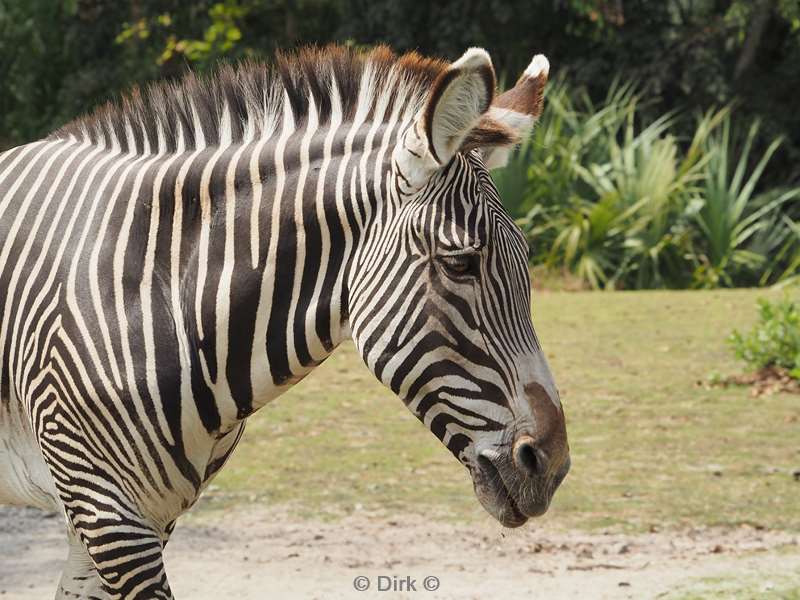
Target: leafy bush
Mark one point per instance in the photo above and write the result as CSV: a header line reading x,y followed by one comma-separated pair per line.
x,y
623,202
775,340
732,213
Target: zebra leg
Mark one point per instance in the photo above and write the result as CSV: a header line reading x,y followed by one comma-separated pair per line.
x,y
79,578
114,559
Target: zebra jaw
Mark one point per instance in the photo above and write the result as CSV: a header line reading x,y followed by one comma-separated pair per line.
x,y
494,495
510,492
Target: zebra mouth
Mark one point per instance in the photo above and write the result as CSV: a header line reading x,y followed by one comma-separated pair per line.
x,y
495,496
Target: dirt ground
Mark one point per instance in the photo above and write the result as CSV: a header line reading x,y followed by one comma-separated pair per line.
x,y
259,555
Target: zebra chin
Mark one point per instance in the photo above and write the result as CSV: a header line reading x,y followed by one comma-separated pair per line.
x,y
509,496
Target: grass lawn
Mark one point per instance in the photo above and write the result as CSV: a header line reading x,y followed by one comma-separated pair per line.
x,y
736,586
650,447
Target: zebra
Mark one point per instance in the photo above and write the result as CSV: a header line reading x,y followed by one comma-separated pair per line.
x,y
175,260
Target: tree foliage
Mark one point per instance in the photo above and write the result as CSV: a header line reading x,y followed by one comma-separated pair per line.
x,y
59,58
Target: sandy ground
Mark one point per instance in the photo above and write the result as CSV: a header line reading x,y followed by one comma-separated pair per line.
x,y
258,555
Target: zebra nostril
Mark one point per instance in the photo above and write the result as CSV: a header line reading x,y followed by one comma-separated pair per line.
x,y
527,458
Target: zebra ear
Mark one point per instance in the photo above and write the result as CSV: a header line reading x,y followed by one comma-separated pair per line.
x,y
458,99
515,110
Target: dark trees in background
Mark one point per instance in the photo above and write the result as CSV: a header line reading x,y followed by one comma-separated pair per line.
x,y
59,58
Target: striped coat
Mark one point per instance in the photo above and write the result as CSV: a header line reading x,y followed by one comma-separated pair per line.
x,y
172,263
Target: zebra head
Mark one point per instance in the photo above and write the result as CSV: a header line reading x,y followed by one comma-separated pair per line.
x,y
440,304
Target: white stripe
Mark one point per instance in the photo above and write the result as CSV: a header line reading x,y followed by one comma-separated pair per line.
x,y
257,193
315,346
260,375
146,296
311,127
190,417
222,389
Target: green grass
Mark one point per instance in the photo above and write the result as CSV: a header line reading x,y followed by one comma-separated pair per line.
x,y
734,585
650,447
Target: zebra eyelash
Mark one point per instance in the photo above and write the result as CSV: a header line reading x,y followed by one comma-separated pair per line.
x,y
464,265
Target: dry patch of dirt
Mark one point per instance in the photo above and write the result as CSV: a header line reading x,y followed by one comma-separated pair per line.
x,y
257,554
764,382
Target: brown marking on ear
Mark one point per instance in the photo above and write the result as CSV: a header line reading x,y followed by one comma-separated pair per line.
x,y
526,97
439,86
488,133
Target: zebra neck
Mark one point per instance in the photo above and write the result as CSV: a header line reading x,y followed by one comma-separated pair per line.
x,y
279,226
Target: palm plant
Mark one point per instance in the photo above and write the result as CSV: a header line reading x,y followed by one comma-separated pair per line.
x,y
659,186
779,240
590,240
560,223
628,224
732,212
623,203
639,181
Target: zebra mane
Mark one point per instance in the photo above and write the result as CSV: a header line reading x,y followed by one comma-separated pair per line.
x,y
245,102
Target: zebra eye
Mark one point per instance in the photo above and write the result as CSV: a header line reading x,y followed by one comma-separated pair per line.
x,y
461,265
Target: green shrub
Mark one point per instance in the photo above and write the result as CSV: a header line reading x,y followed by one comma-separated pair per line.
x,y
740,232
623,200
775,340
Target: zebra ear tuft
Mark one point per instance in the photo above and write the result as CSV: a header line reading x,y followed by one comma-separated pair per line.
x,y
458,99
488,135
